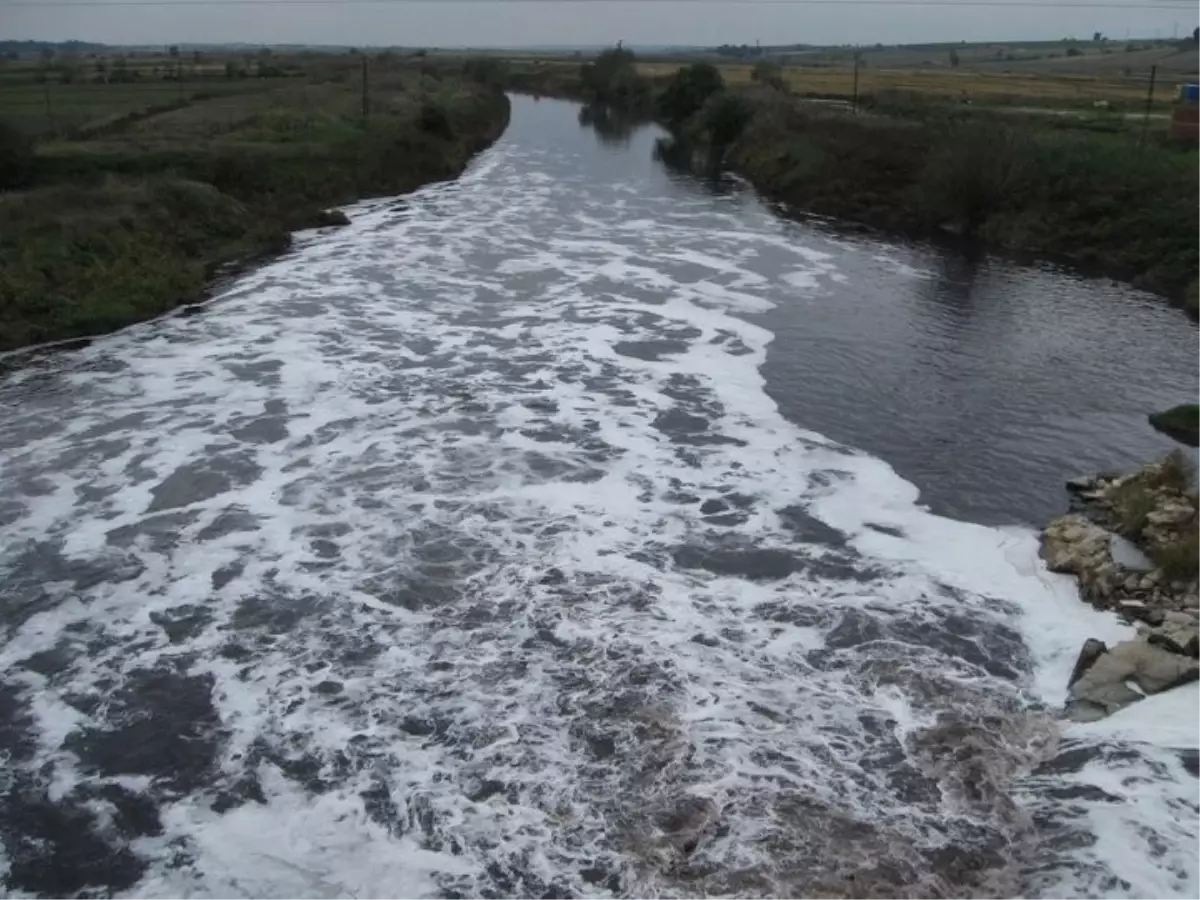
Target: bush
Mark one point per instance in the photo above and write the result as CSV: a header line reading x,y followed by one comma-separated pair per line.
x,y
1178,558
688,91
1133,502
16,157
973,171
1173,473
724,118
433,120
769,74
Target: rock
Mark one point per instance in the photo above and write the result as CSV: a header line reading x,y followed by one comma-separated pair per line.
x,y
1127,556
1139,611
1072,544
1080,483
1179,422
1173,511
1103,687
1178,618
1175,636
1091,651
329,218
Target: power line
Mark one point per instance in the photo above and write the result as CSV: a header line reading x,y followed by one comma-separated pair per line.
x,y
1041,4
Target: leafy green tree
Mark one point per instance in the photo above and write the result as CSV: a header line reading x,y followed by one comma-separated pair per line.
x,y
688,91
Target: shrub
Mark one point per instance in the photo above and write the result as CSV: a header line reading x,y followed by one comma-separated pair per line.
x,y
974,171
1178,558
433,120
688,91
1132,502
769,74
1173,473
725,117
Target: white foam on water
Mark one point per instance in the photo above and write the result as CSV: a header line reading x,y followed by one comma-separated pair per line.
x,y
462,550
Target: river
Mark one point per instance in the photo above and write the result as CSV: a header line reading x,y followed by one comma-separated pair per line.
x,y
579,528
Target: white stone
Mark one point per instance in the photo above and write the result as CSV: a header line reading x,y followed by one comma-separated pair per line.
x,y
1127,556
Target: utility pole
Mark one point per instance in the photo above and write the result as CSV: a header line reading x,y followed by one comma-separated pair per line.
x,y
854,95
1149,102
366,106
46,93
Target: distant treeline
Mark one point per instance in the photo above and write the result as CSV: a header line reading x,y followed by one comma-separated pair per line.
x,y
13,49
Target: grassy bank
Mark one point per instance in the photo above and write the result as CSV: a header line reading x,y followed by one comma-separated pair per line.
x,y
125,225
1092,198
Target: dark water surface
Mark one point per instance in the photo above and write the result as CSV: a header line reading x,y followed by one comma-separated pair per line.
x,y
560,531
985,383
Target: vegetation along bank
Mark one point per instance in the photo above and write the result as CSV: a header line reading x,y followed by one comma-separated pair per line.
x,y
115,223
1089,190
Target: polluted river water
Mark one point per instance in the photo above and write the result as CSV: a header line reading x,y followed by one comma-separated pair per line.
x,y
578,528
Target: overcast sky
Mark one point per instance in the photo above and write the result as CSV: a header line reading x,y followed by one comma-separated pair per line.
x,y
591,22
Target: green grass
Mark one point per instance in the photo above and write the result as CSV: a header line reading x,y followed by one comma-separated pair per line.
x,y
122,226
80,109
79,261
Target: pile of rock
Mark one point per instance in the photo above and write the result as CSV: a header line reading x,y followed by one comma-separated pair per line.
x,y
1120,573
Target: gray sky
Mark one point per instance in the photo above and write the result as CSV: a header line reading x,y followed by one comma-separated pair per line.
x,y
591,22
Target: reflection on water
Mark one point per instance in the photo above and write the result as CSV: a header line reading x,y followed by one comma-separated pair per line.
x,y
613,126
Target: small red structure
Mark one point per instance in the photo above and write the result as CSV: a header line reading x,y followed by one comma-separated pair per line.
x,y
1185,119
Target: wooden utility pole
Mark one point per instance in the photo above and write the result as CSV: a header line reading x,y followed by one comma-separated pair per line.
x,y
854,95
366,104
1149,103
46,94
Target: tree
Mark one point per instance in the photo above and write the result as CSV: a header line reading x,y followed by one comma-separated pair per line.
x,y
612,78
688,91
1196,35
725,117
768,73
1097,37
954,58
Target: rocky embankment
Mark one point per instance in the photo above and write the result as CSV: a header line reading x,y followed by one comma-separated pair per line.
x,y
1131,541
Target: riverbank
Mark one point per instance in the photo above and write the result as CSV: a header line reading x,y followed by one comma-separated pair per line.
x,y
1087,198
122,227
1030,188
1132,543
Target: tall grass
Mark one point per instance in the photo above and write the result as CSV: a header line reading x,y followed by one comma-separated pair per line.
x,y
123,227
